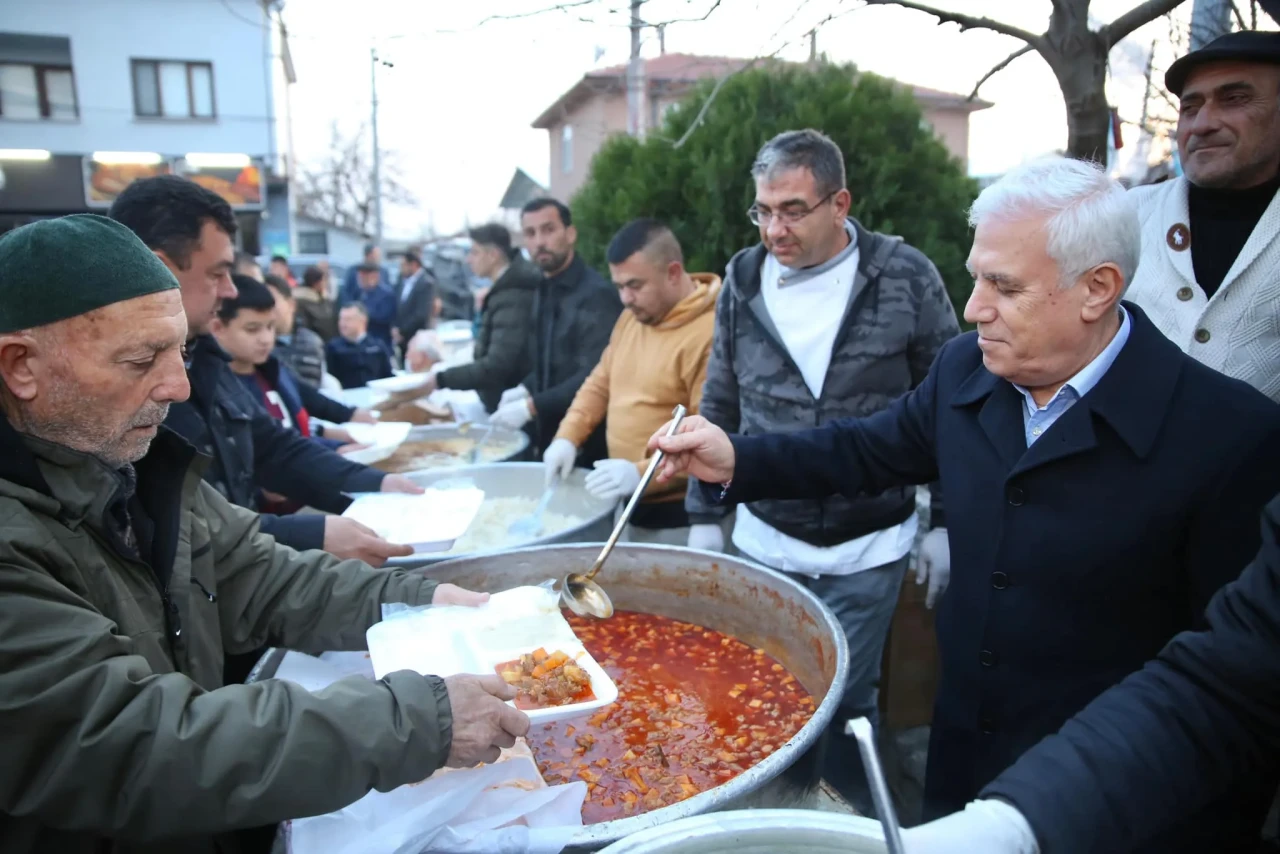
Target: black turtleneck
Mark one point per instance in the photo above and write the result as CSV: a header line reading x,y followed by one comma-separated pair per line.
x,y
1221,222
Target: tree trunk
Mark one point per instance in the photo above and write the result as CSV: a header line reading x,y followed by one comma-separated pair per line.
x,y
1078,57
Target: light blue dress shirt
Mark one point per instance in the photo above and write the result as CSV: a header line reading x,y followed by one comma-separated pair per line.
x,y
1036,420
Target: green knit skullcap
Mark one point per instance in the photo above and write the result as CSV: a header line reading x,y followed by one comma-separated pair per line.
x,y
59,268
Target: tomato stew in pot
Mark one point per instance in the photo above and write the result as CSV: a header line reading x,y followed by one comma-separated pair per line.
x,y
695,708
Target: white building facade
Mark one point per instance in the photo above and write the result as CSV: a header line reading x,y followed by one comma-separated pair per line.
x,y
94,94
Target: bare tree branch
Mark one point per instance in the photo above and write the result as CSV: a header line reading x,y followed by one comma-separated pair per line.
x,y
715,90
1026,48
966,22
715,5
338,188
1239,15
1136,17
559,7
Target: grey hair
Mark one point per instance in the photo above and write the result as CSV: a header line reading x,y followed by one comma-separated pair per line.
x,y
1091,220
803,149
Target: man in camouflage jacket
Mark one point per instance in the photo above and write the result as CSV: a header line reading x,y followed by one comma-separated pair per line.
x,y
820,321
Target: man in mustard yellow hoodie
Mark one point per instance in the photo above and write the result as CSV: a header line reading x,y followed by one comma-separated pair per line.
x,y
656,358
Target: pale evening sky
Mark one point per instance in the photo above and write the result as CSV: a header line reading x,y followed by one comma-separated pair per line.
x,y
457,105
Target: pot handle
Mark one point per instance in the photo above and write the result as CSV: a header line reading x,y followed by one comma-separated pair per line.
x,y
860,728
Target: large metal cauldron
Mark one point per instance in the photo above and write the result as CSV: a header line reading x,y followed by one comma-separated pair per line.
x,y
523,480
757,605
758,832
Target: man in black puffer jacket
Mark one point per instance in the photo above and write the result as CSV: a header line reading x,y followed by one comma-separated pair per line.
x,y
574,311
502,353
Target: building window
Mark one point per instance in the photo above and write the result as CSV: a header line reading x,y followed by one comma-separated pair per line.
x,y
313,243
37,92
566,149
35,77
164,89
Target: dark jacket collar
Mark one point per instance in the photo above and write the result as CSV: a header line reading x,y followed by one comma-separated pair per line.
x,y
570,276
82,485
1132,396
17,463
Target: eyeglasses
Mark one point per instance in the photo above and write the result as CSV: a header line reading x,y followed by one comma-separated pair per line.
x,y
786,217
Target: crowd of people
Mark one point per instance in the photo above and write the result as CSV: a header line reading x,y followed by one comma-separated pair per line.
x,y
1097,455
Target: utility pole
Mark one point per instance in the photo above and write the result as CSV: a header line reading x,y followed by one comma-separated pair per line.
x,y
813,46
377,155
1209,19
635,76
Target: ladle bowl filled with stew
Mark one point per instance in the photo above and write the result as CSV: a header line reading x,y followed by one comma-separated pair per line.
x,y
728,676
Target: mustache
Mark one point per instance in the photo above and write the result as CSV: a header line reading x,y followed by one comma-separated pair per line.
x,y
151,415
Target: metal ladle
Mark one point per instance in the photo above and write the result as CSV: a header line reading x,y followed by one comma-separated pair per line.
x,y
579,593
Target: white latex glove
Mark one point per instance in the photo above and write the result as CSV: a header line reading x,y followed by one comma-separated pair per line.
x,y
613,479
558,460
984,827
708,538
934,564
512,394
512,415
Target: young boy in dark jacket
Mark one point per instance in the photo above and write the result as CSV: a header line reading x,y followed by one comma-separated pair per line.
x,y
245,328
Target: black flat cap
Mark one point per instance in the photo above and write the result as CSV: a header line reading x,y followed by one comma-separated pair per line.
x,y
1244,46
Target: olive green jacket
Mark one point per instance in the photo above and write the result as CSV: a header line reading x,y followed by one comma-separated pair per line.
x,y
116,733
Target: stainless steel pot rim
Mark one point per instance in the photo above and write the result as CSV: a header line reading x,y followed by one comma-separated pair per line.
x,y
711,826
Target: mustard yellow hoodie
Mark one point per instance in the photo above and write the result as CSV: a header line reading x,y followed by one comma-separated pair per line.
x,y
643,373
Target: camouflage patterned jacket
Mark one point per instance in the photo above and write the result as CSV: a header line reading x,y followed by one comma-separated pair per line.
x,y
898,319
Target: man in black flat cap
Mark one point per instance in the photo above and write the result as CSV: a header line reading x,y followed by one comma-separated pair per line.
x,y
1211,239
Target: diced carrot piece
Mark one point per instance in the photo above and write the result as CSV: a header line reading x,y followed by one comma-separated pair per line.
x,y
539,671
539,655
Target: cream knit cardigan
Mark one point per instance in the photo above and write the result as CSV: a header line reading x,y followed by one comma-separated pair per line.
x,y
1236,332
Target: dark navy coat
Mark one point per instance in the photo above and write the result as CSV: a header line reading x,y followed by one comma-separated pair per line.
x,y
356,364
251,451
1168,740
1074,561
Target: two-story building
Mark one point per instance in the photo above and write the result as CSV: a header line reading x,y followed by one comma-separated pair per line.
x,y
595,108
94,95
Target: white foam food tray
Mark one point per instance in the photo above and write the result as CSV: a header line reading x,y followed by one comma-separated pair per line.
x,y
447,640
430,522
602,686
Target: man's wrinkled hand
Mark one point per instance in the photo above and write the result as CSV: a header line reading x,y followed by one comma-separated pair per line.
x,y
483,723
351,448
350,540
452,594
699,449
400,483
363,416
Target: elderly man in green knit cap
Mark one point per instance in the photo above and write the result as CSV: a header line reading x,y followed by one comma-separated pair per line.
x,y
125,578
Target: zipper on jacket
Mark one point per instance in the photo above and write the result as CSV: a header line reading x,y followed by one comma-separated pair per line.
x,y
212,597
172,618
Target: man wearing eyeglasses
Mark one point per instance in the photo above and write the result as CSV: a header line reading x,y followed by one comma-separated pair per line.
x,y
822,320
